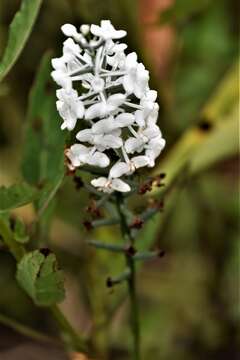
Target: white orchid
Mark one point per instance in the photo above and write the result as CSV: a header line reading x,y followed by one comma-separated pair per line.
x,y
116,108
109,185
106,31
70,108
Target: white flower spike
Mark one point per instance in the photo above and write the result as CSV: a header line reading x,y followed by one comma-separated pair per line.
x,y
116,110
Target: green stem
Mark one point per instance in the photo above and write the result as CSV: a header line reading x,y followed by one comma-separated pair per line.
x,y
25,330
18,251
135,326
69,334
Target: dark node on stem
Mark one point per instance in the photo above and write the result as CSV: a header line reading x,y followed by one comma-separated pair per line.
x,y
130,250
162,175
88,225
153,181
45,251
109,282
158,205
78,182
93,209
40,184
161,205
137,223
157,181
205,125
37,124
145,187
12,222
161,253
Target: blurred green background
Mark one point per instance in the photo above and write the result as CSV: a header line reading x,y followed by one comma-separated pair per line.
x,y
189,300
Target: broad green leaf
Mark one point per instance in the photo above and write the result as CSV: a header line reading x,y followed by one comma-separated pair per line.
x,y
221,144
199,149
15,196
225,97
39,276
19,32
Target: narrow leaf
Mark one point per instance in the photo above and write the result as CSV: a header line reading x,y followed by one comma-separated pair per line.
x,y
43,153
19,32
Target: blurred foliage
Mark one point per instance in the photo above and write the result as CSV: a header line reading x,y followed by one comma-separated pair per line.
x,y
189,299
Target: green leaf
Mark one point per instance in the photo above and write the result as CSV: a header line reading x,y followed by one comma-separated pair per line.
x,y
20,234
181,10
39,276
221,144
43,158
19,32
15,196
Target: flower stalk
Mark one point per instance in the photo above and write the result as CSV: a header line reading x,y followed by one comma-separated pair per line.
x,y
126,233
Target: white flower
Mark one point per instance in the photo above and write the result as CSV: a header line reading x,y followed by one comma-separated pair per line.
x,y
80,155
107,31
122,168
69,107
109,185
104,108
136,80
118,110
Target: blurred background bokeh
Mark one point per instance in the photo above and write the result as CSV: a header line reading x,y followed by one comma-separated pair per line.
x,y
189,300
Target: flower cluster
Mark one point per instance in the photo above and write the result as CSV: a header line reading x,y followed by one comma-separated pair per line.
x,y
105,95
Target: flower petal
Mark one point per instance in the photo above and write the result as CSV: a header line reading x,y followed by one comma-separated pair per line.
x,y
116,99
140,161
119,185
94,111
118,170
124,119
69,30
133,144
85,135
98,159
139,118
99,182
104,126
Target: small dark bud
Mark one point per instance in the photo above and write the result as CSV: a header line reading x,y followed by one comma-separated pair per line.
x,y
78,182
93,209
88,225
109,282
145,188
205,125
130,250
12,223
137,223
158,205
161,205
40,184
45,251
161,253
